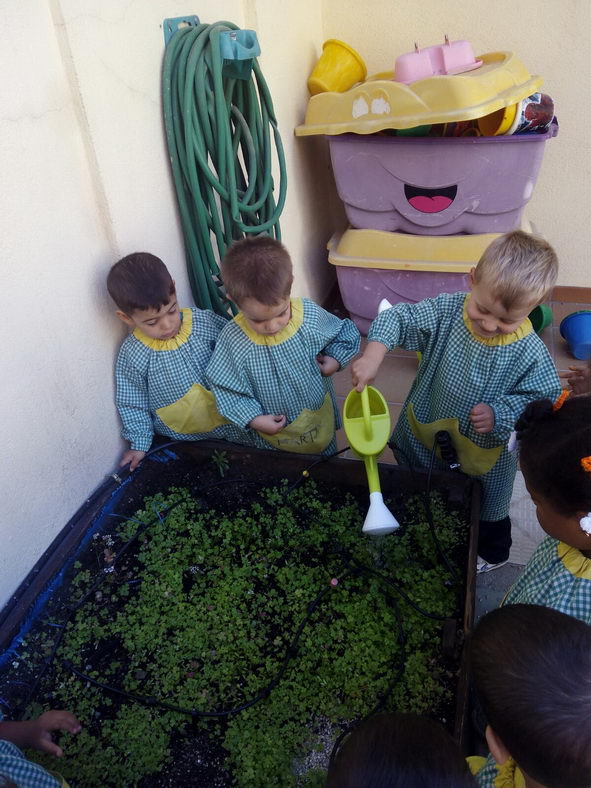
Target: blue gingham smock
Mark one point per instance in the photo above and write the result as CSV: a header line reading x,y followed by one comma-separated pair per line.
x,y
557,576
489,775
161,384
458,370
253,374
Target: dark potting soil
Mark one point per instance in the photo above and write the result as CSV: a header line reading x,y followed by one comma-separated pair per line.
x,y
197,761
197,758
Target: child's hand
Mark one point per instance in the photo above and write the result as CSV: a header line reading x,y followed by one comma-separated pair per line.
x,y
578,378
269,424
365,368
328,365
133,457
482,417
53,721
36,734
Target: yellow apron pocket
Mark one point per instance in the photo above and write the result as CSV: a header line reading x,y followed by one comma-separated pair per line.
x,y
194,412
475,460
311,432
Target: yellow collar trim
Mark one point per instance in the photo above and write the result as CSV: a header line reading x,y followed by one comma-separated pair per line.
x,y
509,775
295,321
499,339
173,342
574,561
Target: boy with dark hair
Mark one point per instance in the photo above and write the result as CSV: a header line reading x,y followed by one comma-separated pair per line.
x,y
160,367
271,366
531,668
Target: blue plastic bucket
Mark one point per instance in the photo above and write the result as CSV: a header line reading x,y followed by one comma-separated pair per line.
x,y
576,329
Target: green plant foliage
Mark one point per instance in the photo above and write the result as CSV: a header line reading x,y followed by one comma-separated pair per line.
x,y
221,461
201,614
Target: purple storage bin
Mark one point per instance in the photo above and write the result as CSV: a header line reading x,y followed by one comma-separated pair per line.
x,y
362,289
437,185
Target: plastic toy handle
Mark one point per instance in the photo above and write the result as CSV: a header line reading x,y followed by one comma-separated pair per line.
x,y
366,413
373,475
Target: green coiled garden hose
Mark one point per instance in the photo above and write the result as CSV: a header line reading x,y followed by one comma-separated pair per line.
x,y
218,132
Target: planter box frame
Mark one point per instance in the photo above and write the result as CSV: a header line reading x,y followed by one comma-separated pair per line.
x,y
29,599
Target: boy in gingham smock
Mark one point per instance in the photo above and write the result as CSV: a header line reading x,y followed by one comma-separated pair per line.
x,y
531,671
160,370
481,364
270,371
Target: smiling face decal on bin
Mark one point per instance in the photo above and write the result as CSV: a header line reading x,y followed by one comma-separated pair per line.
x,y
430,200
435,186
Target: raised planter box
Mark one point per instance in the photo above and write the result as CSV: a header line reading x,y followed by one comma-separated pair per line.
x,y
37,599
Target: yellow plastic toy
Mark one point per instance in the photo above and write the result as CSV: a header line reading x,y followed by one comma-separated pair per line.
x,y
380,103
366,419
498,122
338,68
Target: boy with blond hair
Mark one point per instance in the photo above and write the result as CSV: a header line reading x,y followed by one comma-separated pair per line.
x,y
160,370
270,371
481,364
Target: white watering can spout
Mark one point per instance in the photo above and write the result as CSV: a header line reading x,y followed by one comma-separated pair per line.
x,y
379,519
366,419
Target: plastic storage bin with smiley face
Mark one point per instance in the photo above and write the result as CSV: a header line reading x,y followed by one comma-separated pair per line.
x,y
437,186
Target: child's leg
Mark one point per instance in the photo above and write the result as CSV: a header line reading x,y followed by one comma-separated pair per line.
x,y
494,538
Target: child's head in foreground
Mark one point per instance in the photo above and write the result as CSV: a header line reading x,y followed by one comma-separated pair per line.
x,y
512,277
554,453
399,751
144,292
531,667
257,274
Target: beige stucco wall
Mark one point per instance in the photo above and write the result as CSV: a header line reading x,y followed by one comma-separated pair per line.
x,y
552,38
59,431
86,180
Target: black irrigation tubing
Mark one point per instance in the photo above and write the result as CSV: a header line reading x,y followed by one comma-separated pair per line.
x,y
291,651
47,662
384,579
306,472
101,576
426,499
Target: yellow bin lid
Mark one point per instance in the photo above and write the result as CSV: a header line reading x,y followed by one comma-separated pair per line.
x,y
380,103
404,252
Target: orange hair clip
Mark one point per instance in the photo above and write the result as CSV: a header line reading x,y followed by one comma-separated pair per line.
x,y
586,464
561,400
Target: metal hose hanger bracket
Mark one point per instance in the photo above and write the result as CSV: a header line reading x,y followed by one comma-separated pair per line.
x,y
221,131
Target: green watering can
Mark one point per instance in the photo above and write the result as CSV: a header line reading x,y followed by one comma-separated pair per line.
x,y
366,419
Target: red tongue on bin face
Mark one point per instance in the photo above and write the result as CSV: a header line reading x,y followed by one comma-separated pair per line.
x,y
430,200
430,204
